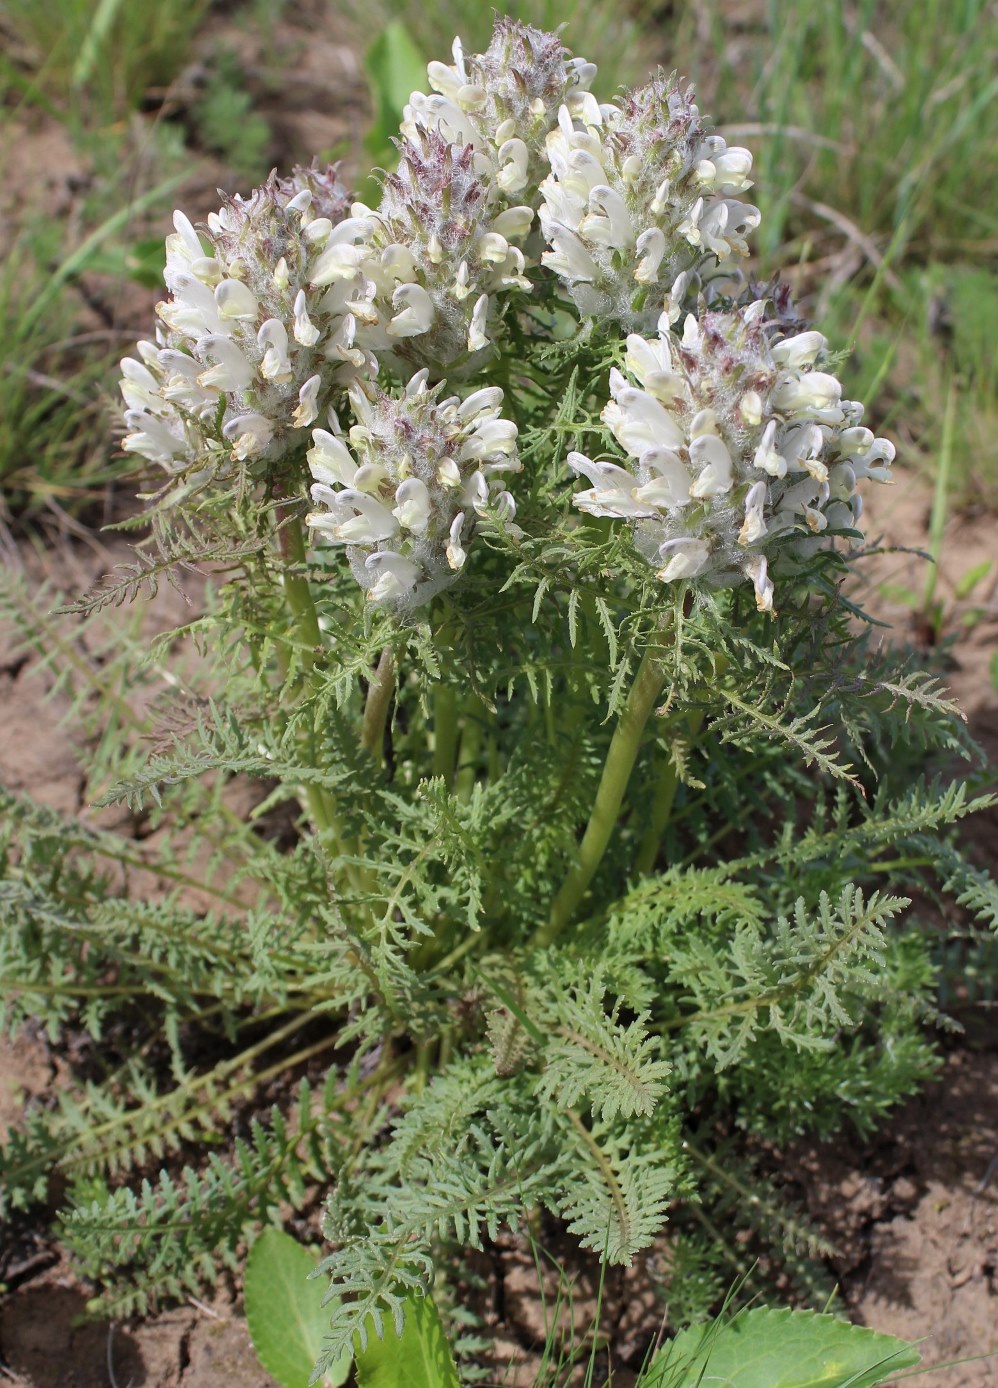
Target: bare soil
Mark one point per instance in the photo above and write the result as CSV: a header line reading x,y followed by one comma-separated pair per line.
x,y
912,1213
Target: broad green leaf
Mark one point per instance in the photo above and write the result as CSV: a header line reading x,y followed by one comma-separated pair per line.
x,y
395,69
284,1309
766,1348
419,1358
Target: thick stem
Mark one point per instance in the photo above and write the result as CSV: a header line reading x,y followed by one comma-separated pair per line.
x,y
471,743
444,732
379,699
624,747
661,810
292,542
292,546
665,794
317,799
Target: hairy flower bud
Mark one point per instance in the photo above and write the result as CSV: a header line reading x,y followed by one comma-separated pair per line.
x,y
254,339
407,493
641,203
440,251
503,102
742,453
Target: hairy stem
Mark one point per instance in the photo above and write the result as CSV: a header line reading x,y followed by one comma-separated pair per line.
x,y
617,768
317,799
471,741
444,732
292,544
379,699
661,810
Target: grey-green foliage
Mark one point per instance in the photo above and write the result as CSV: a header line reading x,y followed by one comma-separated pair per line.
x,y
376,921
787,982
339,992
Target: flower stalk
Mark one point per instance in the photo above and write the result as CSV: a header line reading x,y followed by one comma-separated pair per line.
x,y
445,732
291,541
380,693
665,798
624,748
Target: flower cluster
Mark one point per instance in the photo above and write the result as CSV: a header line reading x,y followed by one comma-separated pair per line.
x,y
254,336
436,253
503,103
741,450
641,202
294,303
407,494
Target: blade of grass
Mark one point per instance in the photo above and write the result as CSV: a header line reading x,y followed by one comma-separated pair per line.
x,y
77,259
940,498
97,32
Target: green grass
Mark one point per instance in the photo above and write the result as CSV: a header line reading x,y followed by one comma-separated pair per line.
x,y
613,35
870,124
52,425
877,176
98,59
86,66
879,113
61,278
58,372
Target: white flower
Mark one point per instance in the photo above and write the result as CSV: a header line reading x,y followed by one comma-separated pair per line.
x,y
741,452
393,576
641,202
614,489
251,348
682,558
407,492
502,103
440,249
757,570
456,554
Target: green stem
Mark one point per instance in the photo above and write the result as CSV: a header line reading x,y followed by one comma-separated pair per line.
x,y
291,539
444,732
424,1065
471,743
292,543
665,795
318,800
379,699
661,810
624,748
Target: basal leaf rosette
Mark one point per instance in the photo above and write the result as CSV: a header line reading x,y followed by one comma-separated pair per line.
x,y
742,456
254,340
642,203
440,248
503,102
406,490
